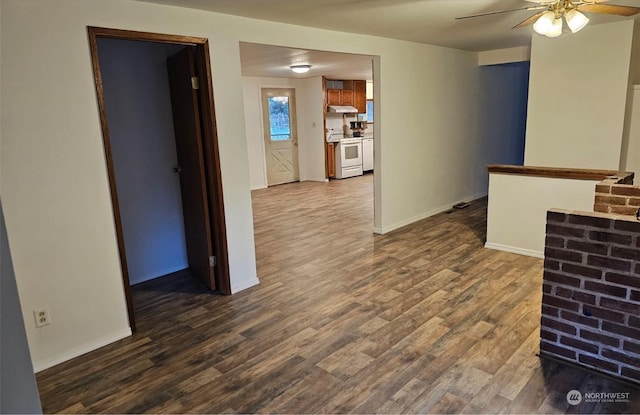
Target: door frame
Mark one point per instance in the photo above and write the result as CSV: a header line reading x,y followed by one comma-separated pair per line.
x,y
210,146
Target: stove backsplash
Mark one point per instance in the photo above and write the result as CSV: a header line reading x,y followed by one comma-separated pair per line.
x,y
336,122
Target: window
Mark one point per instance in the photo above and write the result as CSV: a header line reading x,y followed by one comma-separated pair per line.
x,y
369,111
279,119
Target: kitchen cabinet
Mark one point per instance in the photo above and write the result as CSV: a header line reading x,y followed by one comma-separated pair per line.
x,y
331,160
360,96
334,96
339,97
347,97
367,154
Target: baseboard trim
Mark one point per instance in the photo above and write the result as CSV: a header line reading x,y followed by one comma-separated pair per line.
x,y
401,224
318,180
262,186
243,285
432,212
514,250
42,365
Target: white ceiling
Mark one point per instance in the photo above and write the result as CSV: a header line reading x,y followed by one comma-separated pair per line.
x,y
423,21
274,61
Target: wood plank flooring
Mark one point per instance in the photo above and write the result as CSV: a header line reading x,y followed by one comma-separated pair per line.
x,y
421,320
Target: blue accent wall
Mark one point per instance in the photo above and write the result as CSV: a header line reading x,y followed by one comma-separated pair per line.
x,y
504,91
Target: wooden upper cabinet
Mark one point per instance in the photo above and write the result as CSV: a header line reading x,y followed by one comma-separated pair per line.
x,y
339,97
347,97
334,97
360,96
347,93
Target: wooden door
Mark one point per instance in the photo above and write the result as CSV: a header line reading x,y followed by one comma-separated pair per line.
x,y
187,128
280,135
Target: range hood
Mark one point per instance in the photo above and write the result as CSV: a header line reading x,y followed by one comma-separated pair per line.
x,y
342,109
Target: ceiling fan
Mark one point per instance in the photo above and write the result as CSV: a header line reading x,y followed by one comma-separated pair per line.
x,y
548,21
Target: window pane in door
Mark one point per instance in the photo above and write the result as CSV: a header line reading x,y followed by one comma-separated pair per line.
x,y
279,119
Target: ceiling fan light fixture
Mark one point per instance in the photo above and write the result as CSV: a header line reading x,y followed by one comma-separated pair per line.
x,y
576,20
556,28
300,68
544,23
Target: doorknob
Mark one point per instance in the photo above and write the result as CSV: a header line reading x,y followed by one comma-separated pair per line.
x,y
177,170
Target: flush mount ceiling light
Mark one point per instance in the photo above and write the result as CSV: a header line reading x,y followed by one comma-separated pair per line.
x,y
548,20
300,68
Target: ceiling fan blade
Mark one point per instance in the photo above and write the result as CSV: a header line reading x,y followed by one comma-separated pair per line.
x,y
501,11
609,9
529,21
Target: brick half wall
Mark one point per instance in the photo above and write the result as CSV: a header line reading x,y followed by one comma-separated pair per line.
x,y
591,292
617,196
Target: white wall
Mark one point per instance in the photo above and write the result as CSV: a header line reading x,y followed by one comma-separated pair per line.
x,y
518,205
309,111
138,105
369,90
500,56
53,176
577,99
629,157
311,136
423,161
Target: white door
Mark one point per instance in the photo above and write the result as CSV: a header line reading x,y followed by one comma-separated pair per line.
x,y
280,135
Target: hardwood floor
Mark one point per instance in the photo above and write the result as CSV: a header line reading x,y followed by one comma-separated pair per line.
x,y
421,320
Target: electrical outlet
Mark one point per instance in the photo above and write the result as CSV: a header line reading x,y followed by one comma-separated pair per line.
x,y
42,317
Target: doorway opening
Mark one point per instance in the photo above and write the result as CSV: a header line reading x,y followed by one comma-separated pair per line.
x,y
348,76
189,228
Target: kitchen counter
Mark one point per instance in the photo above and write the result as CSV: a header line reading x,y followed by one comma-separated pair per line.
x,y
334,138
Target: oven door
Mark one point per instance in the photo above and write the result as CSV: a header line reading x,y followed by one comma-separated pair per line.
x,y
351,153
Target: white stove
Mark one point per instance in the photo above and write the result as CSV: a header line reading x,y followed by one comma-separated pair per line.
x,y
349,157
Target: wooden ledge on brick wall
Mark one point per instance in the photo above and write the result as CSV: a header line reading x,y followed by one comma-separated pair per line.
x,y
563,173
